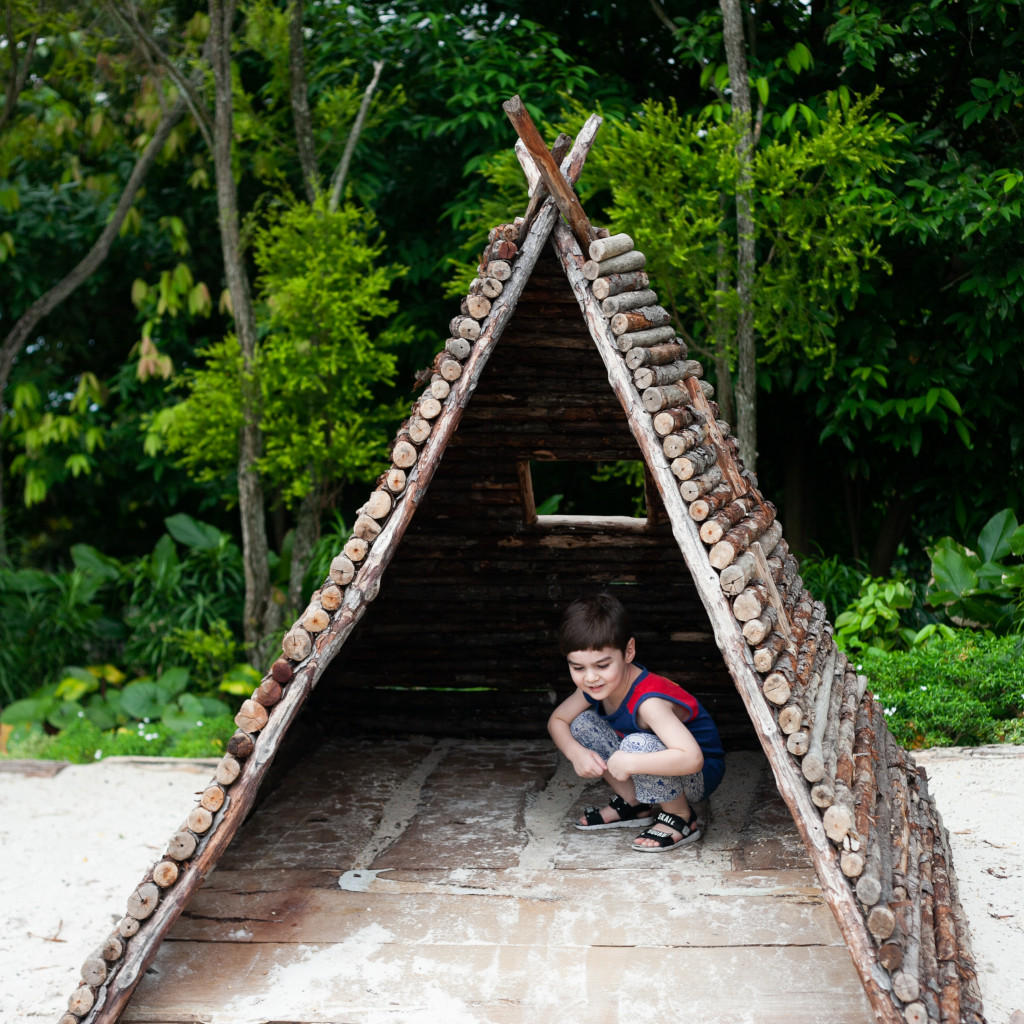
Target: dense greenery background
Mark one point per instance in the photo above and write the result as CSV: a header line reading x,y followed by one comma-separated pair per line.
x,y
889,305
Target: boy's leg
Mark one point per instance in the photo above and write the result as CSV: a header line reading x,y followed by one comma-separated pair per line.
x,y
675,793
597,735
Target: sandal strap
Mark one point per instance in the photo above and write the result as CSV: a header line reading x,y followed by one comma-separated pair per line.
x,y
676,822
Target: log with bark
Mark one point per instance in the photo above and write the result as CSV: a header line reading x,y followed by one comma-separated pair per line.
x,y
672,420
601,249
646,339
656,355
476,306
616,284
464,327
447,367
641,319
675,445
698,486
778,685
458,348
668,397
766,654
813,764
715,526
741,536
498,270
622,264
696,461
628,300
654,376
710,503
756,629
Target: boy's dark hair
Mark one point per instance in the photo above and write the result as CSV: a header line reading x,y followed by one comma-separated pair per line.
x,y
593,623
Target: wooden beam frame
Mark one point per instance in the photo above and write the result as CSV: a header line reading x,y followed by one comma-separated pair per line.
x,y
734,648
548,170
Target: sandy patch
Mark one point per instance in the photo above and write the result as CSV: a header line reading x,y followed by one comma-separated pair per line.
x,y
72,848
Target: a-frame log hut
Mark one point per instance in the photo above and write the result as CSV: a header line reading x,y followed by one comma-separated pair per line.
x,y
561,352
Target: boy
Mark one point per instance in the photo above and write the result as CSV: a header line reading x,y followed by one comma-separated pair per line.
x,y
648,738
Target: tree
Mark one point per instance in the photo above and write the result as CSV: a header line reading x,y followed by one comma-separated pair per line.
x,y
22,115
327,348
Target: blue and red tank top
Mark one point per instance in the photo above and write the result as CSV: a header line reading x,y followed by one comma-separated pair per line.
x,y
647,684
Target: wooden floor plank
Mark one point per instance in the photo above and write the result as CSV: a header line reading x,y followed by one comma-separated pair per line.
x,y
373,978
466,897
634,917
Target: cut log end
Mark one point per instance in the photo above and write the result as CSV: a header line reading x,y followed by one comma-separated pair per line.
x,y
143,901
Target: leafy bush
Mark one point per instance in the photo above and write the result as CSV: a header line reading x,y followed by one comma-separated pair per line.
x,y
873,619
48,620
83,742
831,580
987,589
960,689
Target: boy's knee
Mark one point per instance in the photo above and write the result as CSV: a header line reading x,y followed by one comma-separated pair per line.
x,y
640,743
584,723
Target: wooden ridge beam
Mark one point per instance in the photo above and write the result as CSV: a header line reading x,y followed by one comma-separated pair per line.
x,y
565,199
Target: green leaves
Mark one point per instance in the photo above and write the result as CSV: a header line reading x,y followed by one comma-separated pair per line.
x,y
873,620
986,589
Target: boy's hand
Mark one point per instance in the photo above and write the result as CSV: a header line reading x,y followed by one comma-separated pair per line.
x,y
589,765
619,766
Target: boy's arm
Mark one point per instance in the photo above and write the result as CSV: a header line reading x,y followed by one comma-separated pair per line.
x,y
586,763
682,755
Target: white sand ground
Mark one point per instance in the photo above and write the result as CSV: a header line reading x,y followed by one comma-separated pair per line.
x,y
72,847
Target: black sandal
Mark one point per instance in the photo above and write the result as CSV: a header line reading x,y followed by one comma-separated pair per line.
x,y
689,832
629,814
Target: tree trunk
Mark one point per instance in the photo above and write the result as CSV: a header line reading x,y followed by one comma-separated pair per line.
x,y
260,612
300,104
723,375
746,375
83,270
307,530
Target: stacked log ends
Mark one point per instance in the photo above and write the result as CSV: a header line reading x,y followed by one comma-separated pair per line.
x,y
887,840
300,641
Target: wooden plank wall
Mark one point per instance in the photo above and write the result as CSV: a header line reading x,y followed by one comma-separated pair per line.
x,y
475,593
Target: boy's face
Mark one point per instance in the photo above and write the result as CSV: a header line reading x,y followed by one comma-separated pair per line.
x,y
604,673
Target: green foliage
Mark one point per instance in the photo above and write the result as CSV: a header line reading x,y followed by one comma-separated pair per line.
x,y
831,580
873,619
58,437
83,742
47,620
320,365
630,473
92,694
168,592
161,609
960,689
817,199
982,588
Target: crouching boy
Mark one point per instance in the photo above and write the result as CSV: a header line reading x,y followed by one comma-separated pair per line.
x,y
648,738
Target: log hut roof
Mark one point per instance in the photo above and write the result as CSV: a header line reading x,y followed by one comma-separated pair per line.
x,y
860,803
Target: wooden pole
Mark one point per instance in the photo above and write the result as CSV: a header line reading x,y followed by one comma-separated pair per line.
x,y
550,175
124,976
730,639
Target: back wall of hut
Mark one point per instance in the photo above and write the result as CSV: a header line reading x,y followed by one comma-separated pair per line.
x,y
462,638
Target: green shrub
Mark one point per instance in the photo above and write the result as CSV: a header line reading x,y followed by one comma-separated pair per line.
x,y
983,586
873,619
832,581
958,690
82,742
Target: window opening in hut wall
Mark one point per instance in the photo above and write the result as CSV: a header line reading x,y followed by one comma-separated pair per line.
x,y
586,490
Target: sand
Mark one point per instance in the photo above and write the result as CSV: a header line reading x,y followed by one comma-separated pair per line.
x,y
74,844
